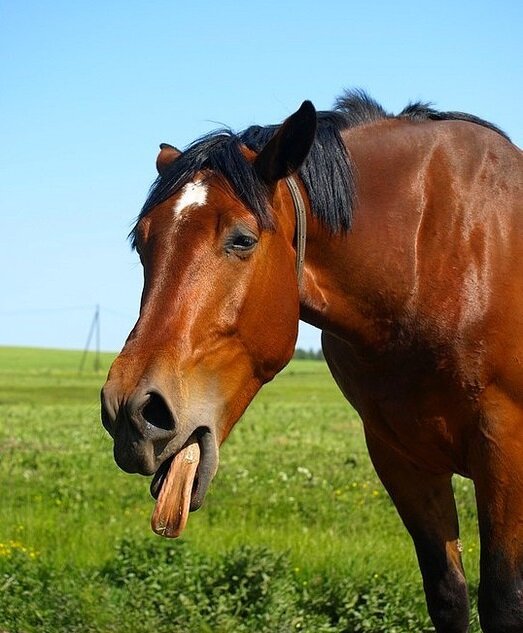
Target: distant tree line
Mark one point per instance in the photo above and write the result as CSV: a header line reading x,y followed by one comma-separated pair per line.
x,y
310,354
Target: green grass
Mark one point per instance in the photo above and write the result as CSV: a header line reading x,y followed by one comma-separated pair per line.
x,y
295,487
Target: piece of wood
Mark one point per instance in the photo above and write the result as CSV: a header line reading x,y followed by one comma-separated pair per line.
x,y
172,507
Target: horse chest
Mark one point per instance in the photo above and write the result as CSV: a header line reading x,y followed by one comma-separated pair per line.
x,y
423,414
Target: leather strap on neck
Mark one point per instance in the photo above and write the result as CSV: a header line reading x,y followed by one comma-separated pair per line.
x,y
301,225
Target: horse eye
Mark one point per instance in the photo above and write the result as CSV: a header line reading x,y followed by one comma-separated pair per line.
x,y
242,242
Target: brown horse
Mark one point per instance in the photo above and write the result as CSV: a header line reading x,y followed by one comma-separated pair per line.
x,y
413,270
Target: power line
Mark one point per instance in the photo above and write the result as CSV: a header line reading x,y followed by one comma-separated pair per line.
x,y
21,312
29,311
118,313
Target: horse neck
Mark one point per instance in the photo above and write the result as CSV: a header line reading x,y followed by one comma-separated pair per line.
x,y
355,282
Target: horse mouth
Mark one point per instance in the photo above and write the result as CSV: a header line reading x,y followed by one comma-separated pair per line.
x,y
180,483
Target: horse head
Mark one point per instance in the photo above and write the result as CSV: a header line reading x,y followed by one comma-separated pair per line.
x,y
219,310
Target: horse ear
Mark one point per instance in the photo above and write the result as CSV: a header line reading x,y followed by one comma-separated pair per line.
x,y
288,148
168,154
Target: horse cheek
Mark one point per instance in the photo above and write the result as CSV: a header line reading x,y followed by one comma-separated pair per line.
x,y
272,321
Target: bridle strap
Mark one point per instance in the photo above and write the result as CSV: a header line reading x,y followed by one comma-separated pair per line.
x,y
301,225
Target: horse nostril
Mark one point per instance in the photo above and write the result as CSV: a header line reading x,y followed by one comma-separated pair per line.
x,y
157,412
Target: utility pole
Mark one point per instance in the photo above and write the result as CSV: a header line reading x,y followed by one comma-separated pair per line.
x,y
94,329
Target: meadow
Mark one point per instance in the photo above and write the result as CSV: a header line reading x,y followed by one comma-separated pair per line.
x,y
296,533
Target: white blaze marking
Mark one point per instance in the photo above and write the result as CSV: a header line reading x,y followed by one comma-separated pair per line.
x,y
193,193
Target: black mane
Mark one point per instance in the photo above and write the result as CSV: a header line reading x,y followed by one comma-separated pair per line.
x,y
327,173
359,108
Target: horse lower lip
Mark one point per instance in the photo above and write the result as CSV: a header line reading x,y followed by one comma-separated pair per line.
x,y
206,467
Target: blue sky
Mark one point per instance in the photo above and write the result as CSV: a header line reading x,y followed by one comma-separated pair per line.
x,y
89,90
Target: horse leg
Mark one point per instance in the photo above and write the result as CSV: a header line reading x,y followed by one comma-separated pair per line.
x,y
497,470
425,502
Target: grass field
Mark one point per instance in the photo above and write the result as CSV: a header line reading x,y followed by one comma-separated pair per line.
x,y
296,533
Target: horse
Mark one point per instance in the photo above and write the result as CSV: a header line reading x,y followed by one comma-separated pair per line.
x,y
401,238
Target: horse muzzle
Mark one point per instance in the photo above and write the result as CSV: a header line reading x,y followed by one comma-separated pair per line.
x,y
149,440
142,425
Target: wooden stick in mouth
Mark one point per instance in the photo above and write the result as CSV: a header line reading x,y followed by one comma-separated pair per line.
x,y
172,507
